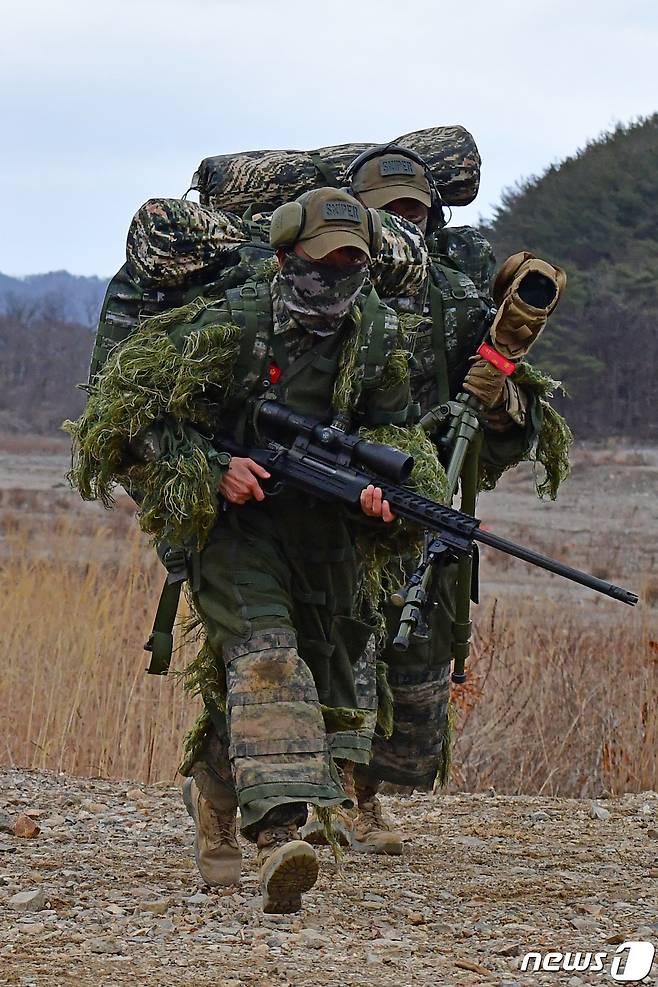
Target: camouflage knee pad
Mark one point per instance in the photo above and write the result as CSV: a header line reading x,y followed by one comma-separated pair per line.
x,y
278,743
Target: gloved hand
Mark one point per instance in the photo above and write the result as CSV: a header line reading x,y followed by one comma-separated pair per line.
x,y
526,291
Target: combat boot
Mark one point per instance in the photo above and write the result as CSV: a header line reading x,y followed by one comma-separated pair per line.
x,y
216,849
288,867
371,831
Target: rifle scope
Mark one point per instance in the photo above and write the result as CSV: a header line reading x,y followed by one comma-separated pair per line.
x,y
274,420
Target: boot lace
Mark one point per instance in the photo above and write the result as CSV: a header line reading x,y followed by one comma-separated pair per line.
x,y
279,834
220,827
372,815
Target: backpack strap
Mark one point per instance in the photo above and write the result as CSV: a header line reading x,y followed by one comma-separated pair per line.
x,y
379,333
447,293
251,309
376,341
325,170
437,310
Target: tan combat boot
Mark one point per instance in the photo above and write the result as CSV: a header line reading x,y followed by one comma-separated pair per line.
x,y
216,849
371,831
288,868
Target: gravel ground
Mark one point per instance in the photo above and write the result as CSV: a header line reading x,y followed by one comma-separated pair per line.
x,y
108,893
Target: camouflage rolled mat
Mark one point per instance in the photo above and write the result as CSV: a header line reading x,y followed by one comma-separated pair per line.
x,y
269,178
170,241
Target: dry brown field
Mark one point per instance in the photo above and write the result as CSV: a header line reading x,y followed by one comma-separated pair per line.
x,y
562,694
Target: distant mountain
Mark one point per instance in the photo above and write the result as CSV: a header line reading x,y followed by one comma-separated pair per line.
x,y
596,214
58,295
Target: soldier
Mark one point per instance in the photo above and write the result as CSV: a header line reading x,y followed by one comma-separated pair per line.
x,y
447,316
287,653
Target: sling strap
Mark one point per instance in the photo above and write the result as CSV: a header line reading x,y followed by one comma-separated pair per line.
x,y
180,564
325,170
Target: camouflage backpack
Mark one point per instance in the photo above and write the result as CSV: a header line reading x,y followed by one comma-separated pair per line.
x,y
175,251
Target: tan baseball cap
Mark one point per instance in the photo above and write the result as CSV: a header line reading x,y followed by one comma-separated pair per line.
x,y
333,219
386,177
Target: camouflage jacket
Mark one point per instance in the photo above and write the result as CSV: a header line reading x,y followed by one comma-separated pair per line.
x,y
282,360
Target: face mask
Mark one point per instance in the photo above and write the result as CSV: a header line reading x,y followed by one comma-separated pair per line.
x,y
316,294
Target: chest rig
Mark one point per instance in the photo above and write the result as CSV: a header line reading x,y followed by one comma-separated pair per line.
x,y
452,322
301,376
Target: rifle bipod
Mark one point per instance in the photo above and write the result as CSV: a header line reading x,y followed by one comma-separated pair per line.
x,y
415,597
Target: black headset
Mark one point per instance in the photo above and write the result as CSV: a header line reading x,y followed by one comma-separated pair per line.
x,y
436,217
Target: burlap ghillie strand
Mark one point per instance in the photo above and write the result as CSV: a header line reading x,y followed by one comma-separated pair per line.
x,y
205,676
349,380
385,701
148,380
193,741
447,744
178,498
339,718
551,451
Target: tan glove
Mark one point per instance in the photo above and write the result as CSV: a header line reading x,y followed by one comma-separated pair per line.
x,y
504,398
485,382
526,291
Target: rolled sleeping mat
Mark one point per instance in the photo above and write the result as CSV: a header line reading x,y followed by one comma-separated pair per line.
x,y
269,178
174,242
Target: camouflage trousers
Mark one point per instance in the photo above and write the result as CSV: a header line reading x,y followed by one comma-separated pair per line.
x,y
276,598
420,682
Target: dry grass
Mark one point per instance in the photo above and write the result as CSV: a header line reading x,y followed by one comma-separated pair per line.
x,y
560,701
73,687
36,445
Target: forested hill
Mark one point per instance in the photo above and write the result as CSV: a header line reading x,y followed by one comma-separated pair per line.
x,y
57,295
596,215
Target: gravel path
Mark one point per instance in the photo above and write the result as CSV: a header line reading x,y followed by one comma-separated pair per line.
x,y
106,893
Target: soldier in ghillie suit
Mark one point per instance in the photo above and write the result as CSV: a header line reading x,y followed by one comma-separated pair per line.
x,y
287,669
446,312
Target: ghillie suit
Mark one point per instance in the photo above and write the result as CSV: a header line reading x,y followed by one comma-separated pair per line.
x,y
287,669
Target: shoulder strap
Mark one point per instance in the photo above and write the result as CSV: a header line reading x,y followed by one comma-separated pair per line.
x,y
251,309
437,310
447,293
376,341
324,169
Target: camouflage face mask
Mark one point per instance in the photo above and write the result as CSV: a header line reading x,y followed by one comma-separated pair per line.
x,y
317,295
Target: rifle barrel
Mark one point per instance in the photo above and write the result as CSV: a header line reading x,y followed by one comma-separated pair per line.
x,y
552,565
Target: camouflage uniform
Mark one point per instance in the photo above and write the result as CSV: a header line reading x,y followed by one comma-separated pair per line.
x,y
459,264
278,583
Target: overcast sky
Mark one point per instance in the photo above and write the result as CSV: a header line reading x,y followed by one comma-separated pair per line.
x,y
105,103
